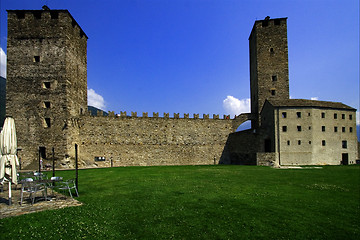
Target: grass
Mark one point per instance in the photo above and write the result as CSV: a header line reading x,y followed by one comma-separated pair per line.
x,y
202,202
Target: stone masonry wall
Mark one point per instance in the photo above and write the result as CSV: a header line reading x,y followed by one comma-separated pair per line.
x,y
126,141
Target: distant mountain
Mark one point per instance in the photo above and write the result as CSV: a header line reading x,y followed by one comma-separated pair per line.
x,y
94,110
2,99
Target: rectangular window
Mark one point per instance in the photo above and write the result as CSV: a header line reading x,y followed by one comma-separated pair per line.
x,y
46,85
47,104
283,114
47,123
323,142
99,159
284,128
335,129
323,128
344,144
310,142
273,92
335,115
265,23
274,78
309,127
322,115
299,128
277,22
36,59
299,142
350,129
343,116
350,117
288,143
343,129
298,114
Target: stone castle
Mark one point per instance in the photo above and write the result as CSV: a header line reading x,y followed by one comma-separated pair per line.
x,y
47,97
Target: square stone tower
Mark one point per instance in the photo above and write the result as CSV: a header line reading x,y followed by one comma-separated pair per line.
x,y
46,80
269,71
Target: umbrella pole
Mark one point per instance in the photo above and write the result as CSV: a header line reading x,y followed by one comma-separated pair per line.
x,y
9,192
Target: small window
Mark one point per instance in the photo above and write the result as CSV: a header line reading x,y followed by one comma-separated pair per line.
x,y
284,128
54,15
271,50
343,129
344,144
309,142
350,129
299,142
350,117
274,78
343,116
335,115
299,128
265,23
309,127
273,92
298,114
323,143
283,114
323,128
47,85
99,159
36,59
277,22
37,15
309,114
322,115
47,104
47,123
288,143
335,129
20,15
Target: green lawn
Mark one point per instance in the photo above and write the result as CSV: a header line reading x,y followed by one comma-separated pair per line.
x,y
202,202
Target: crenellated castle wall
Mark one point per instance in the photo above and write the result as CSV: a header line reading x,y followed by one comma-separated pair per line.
x,y
123,140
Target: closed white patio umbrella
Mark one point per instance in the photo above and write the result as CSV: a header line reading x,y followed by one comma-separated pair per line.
x,y
8,159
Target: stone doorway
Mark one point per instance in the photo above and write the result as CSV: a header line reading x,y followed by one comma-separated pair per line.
x,y
345,159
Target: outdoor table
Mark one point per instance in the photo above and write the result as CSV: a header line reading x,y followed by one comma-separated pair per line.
x,y
45,182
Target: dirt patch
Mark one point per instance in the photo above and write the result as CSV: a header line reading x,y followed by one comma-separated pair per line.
x,y
54,201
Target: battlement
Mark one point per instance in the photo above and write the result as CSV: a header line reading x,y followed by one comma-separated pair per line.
x,y
112,114
42,19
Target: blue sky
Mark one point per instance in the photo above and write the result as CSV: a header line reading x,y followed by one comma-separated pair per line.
x,y
192,56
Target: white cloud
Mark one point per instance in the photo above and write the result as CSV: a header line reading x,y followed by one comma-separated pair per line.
x,y
95,100
235,106
314,98
2,63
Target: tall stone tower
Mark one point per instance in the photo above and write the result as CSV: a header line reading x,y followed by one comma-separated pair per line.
x,y
46,80
269,71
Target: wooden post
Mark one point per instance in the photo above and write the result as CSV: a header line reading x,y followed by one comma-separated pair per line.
x,y
76,167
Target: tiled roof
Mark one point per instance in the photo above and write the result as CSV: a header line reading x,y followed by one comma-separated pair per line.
x,y
309,103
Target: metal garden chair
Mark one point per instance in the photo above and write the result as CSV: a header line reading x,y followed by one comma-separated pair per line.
x,y
68,185
29,186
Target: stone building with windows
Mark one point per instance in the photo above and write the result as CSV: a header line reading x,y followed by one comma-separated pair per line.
x,y
47,96
308,132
